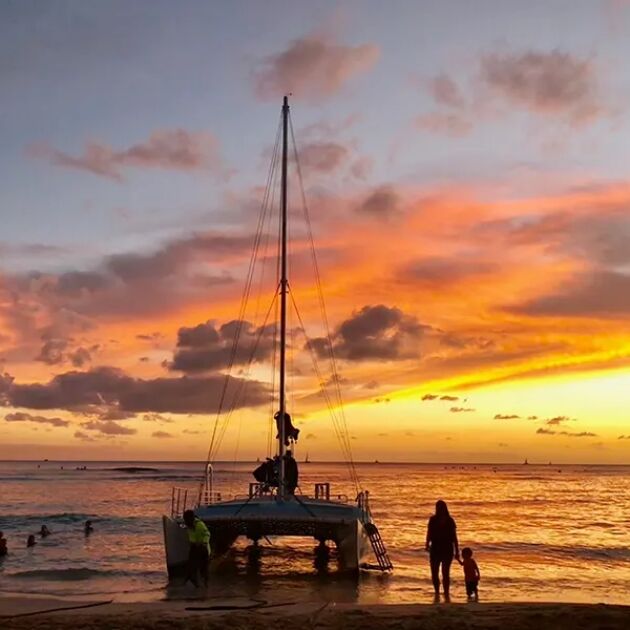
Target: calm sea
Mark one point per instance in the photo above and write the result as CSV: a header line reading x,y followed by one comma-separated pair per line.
x,y
558,533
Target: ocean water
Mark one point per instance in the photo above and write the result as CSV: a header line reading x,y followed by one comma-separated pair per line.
x,y
539,533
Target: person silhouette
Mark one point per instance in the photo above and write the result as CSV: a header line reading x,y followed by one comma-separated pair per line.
x,y
290,432
442,545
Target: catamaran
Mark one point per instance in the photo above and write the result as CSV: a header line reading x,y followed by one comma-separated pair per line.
x,y
275,504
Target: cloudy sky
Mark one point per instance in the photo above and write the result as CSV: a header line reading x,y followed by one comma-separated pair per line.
x,y
466,170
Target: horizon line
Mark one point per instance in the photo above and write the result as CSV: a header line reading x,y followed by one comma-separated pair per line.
x,y
253,461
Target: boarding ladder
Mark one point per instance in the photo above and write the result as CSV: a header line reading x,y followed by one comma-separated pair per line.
x,y
378,546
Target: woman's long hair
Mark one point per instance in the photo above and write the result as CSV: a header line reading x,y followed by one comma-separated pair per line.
x,y
441,510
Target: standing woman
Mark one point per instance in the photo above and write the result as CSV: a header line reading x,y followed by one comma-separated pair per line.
x,y
442,546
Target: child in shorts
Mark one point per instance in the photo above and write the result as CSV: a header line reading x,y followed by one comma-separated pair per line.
x,y
471,574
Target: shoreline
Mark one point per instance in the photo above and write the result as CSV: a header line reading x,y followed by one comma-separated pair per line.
x,y
35,613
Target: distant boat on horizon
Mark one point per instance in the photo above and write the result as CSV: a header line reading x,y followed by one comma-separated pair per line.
x,y
526,463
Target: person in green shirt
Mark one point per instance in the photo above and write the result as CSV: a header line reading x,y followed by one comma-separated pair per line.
x,y
199,554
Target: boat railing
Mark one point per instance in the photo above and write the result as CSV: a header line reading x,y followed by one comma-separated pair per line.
x,y
207,497
322,491
179,501
363,503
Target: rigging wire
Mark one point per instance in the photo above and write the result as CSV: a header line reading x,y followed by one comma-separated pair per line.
x,y
246,293
337,424
244,381
335,374
335,407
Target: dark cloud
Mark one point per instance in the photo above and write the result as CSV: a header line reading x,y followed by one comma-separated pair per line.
x,y
532,417
557,420
312,68
430,396
75,283
155,417
593,294
461,409
85,437
448,397
551,83
6,381
582,434
205,348
112,387
108,427
52,352
50,309
598,233
170,149
161,434
624,437
175,256
445,91
27,417
198,336
501,416
440,271
80,357
373,333
382,202
323,157
153,337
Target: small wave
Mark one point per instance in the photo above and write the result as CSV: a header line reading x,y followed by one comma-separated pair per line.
x,y
59,517
135,469
72,574
69,574
573,551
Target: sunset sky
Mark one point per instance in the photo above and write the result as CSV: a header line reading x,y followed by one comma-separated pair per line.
x,y
466,166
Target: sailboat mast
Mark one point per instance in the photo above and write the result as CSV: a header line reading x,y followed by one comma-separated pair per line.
x,y
284,287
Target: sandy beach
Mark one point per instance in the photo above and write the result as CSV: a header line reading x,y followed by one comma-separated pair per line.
x,y
26,613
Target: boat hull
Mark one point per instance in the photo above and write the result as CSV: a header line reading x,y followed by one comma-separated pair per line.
x,y
324,521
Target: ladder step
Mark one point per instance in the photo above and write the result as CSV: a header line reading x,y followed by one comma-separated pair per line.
x,y
382,557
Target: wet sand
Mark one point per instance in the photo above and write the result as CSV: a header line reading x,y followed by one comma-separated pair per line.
x,y
28,613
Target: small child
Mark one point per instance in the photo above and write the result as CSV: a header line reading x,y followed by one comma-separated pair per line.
x,y
471,574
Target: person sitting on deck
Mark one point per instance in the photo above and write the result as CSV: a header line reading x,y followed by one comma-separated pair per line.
x,y
199,554
3,545
290,432
267,474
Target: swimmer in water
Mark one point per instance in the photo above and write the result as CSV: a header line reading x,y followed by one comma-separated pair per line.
x,y
44,531
88,529
30,541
